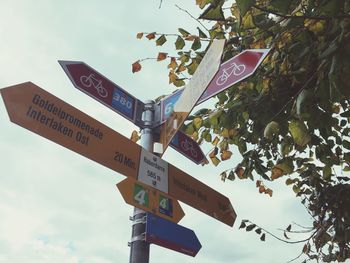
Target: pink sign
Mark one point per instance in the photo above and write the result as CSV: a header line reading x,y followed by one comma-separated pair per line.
x,y
188,147
234,70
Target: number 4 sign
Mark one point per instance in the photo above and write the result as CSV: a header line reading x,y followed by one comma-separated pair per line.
x,y
141,195
151,200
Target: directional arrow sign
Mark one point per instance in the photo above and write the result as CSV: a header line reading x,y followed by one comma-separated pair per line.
x,y
234,70
40,112
151,200
230,72
188,147
172,236
193,91
93,83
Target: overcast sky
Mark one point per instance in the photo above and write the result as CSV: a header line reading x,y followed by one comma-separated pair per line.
x,y
57,206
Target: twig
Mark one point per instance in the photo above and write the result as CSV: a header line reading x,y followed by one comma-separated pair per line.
x,y
192,17
303,17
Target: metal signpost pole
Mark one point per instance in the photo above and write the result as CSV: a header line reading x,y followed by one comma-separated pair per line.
x,y
139,248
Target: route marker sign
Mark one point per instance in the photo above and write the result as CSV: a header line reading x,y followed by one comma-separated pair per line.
x,y
171,235
193,91
41,112
151,200
94,84
188,147
230,72
234,70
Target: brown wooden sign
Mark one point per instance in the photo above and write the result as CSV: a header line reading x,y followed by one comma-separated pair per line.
x,y
41,112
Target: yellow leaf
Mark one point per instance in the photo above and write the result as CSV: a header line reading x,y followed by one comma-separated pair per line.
x,y
225,155
225,133
172,77
162,56
215,160
197,122
194,136
214,153
181,68
139,35
269,192
247,21
172,65
135,136
216,141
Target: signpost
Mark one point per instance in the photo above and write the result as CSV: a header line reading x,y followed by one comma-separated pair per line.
x,y
151,200
152,184
40,112
172,236
193,91
93,83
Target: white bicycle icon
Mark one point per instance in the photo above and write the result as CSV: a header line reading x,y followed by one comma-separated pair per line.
x,y
227,72
187,145
92,81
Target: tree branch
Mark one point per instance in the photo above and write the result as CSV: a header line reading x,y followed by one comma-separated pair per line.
x,y
304,16
192,17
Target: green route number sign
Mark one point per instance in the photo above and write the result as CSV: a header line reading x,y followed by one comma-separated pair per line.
x,y
141,195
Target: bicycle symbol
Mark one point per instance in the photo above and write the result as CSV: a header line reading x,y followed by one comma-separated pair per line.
x,y
92,81
227,72
187,145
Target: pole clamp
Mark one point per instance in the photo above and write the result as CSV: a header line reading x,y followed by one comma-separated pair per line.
x,y
141,220
141,237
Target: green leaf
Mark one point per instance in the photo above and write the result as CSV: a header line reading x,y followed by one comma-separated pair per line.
x,y
231,176
262,238
271,129
346,144
213,12
161,40
282,6
243,225
345,114
244,5
196,44
299,132
197,122
201,33
191,68
180,43
250,227
183,32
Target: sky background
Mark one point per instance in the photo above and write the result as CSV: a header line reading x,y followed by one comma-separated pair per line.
x,y
57,206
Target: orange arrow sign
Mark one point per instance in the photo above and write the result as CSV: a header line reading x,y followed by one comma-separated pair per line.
x,y
151,200
41,112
